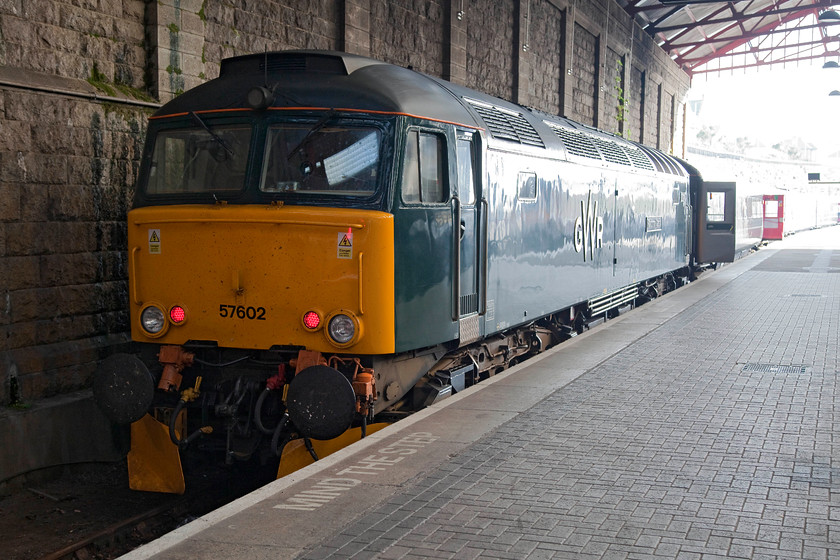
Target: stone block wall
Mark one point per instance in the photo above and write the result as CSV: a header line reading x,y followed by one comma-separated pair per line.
x,y
101,40
545,39
78,79
409,33
585,77
491,29
67,168
636,103
612,88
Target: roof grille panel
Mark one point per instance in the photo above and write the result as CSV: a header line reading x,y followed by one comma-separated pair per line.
x,y
638,158
303,62
611,151
576,143
507,125
661,162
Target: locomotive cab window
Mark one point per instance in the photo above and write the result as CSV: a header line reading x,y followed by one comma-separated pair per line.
x,y
424,169
320,159
199,160
466,174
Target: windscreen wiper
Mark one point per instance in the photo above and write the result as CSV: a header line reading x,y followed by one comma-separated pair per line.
x,y
318,126
215,136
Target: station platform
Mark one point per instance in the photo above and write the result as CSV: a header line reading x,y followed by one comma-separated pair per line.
x,y
705,424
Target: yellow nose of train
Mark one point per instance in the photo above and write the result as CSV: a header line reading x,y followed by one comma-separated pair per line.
x,y
259,277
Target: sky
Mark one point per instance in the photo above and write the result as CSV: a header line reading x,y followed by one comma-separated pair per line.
x,y
772,105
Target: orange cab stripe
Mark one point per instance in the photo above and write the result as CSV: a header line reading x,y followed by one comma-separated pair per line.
x,y
369,111
185,113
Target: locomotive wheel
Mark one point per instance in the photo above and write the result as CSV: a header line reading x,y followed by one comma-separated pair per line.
x,y
321,402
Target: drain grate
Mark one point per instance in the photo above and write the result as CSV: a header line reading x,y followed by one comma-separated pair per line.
x,y
773,368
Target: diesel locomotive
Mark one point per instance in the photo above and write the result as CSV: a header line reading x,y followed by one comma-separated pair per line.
x,y
320,240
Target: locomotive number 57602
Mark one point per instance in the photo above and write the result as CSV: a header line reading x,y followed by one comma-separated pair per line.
x,y
242,312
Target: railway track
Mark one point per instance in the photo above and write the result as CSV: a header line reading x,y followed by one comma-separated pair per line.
x,y
123,536
85,516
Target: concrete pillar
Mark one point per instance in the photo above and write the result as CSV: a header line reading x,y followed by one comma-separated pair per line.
x,y
566,102
600,72
176,43
522,55
357,27
455,65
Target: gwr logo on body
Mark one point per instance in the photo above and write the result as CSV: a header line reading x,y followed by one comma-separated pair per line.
x,y
589,228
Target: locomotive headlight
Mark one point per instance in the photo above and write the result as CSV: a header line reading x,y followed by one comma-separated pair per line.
x,y
342,328
153,320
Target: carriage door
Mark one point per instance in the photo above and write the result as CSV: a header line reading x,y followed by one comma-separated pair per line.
x,y
774,216
716,223
467,217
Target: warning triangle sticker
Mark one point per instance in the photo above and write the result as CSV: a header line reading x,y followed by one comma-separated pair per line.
x,y
154,238
345,242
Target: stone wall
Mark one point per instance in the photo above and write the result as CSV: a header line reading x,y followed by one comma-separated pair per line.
x,y
87,40
78,79
491,47
409,33
636,103
67,168
584,77
613,87
545,39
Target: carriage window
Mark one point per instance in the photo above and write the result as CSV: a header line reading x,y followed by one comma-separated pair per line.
x,y
424,169
527,183
715,207
196,160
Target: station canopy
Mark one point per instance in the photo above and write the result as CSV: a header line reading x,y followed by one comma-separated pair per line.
x,y
704,36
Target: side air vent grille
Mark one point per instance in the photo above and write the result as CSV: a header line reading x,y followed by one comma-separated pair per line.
x,y
507,125
611,151
576,143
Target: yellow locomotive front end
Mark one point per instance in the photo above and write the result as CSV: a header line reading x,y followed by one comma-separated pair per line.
x,y
262,277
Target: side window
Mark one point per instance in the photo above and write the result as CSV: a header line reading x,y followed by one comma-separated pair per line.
x,y
424,169
466,175
527,183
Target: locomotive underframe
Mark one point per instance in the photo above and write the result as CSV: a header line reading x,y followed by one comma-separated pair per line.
x,y
241,393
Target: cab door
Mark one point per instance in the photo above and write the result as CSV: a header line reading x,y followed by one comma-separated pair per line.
x,y
467,230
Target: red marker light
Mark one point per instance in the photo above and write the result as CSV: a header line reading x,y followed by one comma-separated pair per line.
x,y
311,320
177,314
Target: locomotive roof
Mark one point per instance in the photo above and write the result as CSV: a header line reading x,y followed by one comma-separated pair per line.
x,y
330,79
323,79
